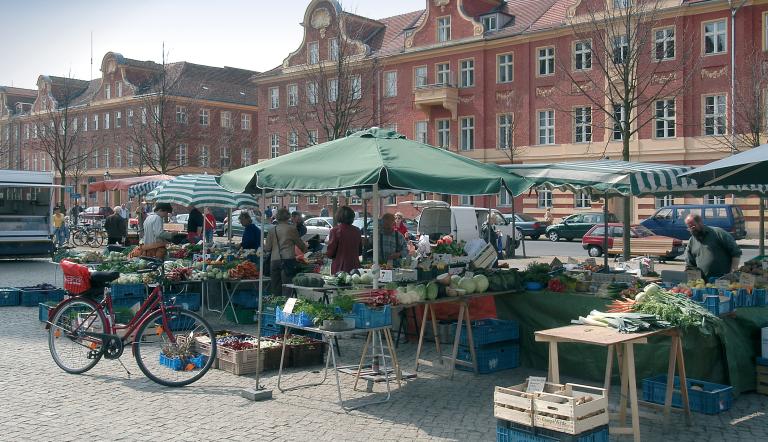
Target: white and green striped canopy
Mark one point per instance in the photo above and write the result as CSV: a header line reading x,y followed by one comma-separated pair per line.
x,y
199,191
623,178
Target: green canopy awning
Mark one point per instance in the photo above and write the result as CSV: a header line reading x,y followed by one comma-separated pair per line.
x,y
748,167
374,156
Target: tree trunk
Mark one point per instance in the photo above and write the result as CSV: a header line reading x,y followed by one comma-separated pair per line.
x,y
627,208
63,189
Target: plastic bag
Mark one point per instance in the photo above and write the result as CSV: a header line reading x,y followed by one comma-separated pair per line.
x,y
423,248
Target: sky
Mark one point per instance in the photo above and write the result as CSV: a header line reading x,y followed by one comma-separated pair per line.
x,y
52,37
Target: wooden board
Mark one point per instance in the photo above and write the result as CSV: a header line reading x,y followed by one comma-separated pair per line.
x,y
589,334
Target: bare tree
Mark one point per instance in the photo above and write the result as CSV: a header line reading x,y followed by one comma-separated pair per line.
x,y
6,146
629,64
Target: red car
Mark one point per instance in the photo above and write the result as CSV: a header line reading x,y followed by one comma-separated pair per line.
x,y
642,242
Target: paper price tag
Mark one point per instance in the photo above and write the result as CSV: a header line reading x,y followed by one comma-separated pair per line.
x,y
536,384
747,279
590,261
289,305
723,284
692,274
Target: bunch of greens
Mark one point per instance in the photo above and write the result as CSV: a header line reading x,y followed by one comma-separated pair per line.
x,y
455,248
537,272
344,302
678,310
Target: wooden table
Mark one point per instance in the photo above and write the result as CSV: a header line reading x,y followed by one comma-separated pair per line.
x,y
623,345
463,319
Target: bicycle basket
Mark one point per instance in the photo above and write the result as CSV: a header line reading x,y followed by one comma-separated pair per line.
x,y
77,278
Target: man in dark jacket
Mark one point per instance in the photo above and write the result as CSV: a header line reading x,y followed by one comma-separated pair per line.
x,y
710,249
116,227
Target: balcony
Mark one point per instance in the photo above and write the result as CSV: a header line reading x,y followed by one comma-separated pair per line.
x,y
441,94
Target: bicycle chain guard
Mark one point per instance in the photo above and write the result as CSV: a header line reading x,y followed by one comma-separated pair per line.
x,y
113,347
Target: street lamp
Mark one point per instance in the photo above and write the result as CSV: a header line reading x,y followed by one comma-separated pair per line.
x,y
107,177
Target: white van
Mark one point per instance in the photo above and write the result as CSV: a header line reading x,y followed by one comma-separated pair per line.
x,y
463,223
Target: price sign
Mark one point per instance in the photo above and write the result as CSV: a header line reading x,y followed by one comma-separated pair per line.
x,y
723,284
590,262
692,274
536,384
747,279
765,264
289,305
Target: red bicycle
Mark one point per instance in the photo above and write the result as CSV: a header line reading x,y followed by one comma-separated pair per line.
x,y
162,336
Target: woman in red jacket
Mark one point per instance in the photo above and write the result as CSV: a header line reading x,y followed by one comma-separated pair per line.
x,y
344,242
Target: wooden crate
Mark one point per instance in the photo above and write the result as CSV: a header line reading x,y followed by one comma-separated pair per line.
x,y
238,369
554,409
762,379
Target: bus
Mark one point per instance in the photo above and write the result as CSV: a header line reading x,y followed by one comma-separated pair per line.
x,y
26,206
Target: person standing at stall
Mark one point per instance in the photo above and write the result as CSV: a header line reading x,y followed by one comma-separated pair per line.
x,y
344,242
155,237
281,246
710,249
58,227
116,227
298,221
251,233
195,225
210,225
400,224
392,245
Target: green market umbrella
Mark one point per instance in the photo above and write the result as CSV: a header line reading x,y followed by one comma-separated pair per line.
x,y
748,167
199,191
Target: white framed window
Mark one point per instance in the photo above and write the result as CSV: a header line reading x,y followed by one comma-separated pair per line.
x,y
715,38
245,121
443,133
85,126
443,74
356,86
390,83
313,52
95,122
74,126
294,199
275,200
119,88
274,97
205,116
333,49
293,94
34,162
312,92
664,201
665,118
274,146
107,157
582,54
312,199
420,76
467,125
43,165
619,118
546,126
106,120
355,201
129,156
664,44
504,198
226,119
490,23
144,116
420,131
181,155
312,136
293,141
546,60
118,119
26,129
129,118
505,138
467,73
505,68
156,114
444,29
245,157
205,156
582,124
714,115
714,199
544,199
621,4
333,89
581,200
224,156
181,115
107,92
466,200
620,49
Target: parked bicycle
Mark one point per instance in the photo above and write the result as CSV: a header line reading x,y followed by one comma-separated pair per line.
x,y
92,236
162,336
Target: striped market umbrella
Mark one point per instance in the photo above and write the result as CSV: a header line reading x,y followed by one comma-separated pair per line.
x,y
142,189
199,191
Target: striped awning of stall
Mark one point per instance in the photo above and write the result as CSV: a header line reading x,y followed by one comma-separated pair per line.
x,y
142,189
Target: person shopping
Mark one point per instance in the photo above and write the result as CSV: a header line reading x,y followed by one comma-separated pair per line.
x,y
155,237
344,242
210,225
281,242
392,245
400,224
195,225
710,249
116,227
59,228
251,233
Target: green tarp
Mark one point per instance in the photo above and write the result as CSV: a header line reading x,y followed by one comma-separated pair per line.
x,y
727,358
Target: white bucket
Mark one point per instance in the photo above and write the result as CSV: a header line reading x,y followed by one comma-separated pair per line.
x,y
765,341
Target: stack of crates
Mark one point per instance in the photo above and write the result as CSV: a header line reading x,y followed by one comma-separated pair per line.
x,y
762,375
496,344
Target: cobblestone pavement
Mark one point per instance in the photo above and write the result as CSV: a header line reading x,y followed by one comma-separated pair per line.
x,y
41,402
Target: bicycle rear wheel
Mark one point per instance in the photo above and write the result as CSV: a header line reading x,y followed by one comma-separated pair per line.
x,y
168,354
79,237
72,349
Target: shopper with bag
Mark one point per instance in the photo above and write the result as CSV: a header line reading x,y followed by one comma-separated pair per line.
x,y
344,242
280,245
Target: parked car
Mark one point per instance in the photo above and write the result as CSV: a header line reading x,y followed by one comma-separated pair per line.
x,y
642,242
670,220
237,228
95,212
320,226
530,226
576,225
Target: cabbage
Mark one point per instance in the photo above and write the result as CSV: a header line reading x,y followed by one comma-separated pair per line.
x,y
467,284
431,291
455,280
481,283
366,278
356,279
421,292
444,279
652,288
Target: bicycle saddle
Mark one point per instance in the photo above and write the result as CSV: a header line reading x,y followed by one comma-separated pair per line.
x,y
101,278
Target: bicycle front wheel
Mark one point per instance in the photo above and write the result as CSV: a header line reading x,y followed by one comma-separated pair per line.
x,y
79,237
69,340
168,353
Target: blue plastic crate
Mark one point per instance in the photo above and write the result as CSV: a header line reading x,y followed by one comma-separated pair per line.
x,y
42,313
9,296
269,325
711,399
761,361
246,298
698,294
758,297
367,317
188,301
488,331
717,306
32,296
513,432
177,364
302,319
492,358
123,290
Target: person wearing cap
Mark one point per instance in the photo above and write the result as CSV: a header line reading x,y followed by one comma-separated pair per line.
x,y
116,227
153,225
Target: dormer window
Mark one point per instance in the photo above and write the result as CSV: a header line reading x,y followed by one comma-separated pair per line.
x,y
313,52
491,23
444,29
333,49
107,92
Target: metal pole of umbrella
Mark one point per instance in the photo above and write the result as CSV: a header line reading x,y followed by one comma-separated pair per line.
x,y
376,245
761,228
605,233
259,393
229,226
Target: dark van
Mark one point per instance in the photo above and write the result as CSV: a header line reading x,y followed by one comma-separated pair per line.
x,y
670,220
